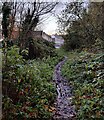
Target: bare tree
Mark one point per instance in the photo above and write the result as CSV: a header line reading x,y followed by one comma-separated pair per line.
x,y
27,16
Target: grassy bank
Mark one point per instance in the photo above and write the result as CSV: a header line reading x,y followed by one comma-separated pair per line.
x,y
85,73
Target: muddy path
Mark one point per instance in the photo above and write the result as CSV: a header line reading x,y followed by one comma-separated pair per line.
x,y
64,108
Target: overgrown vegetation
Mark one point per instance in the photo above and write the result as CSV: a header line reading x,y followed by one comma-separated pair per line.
x,y
40,48
85,72
28,92
80,22
85,68
19,19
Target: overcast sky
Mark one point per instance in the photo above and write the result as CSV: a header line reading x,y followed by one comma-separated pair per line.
x,y
50,26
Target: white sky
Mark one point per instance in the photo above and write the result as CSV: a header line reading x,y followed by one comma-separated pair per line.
x,y
51,26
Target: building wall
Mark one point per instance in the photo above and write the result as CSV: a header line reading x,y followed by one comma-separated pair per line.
x,y
1,35
59,41
41,35
46,37
33,34
14,35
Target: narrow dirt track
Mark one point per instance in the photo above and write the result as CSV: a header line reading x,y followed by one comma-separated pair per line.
x,y
64,109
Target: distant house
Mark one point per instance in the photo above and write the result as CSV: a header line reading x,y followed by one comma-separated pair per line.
x,y
1,37
34,34
14,35
59,41
41,35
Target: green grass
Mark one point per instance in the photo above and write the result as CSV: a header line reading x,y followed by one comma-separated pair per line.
x,y
70,55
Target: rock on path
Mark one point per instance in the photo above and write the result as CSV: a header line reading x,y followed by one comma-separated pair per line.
x,y
64,109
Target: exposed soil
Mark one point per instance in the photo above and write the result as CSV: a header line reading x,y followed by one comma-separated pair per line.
x,y
64,108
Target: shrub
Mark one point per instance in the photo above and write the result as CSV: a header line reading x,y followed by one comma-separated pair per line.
x,y
28,92
72,41
40,48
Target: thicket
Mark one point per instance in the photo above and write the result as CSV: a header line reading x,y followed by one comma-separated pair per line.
x,y
72,41
39,48
28,64
28,19
28,91
80,22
